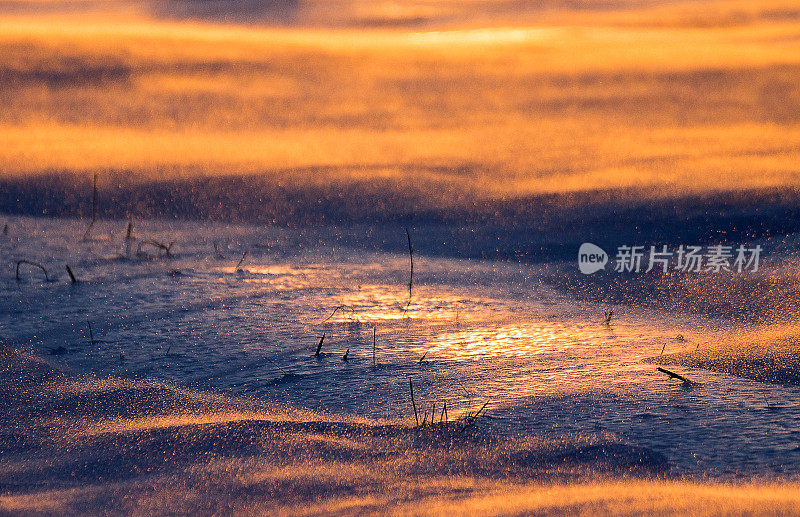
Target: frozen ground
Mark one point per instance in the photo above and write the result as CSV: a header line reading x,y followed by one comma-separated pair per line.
x,y
78,444
200,378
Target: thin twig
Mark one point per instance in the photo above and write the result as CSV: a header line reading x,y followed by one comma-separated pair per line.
x,y
413,403
470,419
411,277
167,248
34,264
71,275
87,232
94,198
129,238
334,312
238,264
94,209
673,375
319,345
91,333
466,391
481,409
217,252
352,310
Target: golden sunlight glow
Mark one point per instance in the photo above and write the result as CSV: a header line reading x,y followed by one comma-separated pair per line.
x,y
500,132
556,107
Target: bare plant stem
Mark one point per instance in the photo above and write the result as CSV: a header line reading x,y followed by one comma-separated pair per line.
x,y
413,403
71,275
34,264
319,345
94,209
411,277
94,198
87,232
129,238
673,375
470,420
342,307
91,333
239,264
167,248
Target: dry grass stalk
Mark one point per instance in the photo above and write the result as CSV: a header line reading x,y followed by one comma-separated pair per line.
x,y
71,275
411,277
34,264
166,248
413,402
673,375
86,235
241,260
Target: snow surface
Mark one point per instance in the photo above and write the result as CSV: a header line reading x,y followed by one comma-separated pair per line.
x,y
198,389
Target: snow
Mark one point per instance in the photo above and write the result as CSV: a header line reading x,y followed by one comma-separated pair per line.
x,y
198,390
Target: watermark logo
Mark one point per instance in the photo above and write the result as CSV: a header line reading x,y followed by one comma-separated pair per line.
x,y
689,259
591,258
